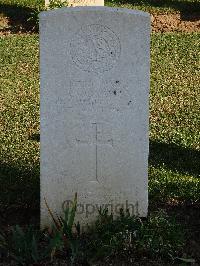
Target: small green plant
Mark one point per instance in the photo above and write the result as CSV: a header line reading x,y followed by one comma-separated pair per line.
x,y
63,235
22,245
57,4
158,236
111,235
34,16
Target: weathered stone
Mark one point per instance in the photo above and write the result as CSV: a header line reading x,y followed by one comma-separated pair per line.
x,y
94,64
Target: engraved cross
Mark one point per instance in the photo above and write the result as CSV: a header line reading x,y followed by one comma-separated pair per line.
x,y
101,136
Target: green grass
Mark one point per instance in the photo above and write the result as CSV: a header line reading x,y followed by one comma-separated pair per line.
x,y
158,6
21,7
174,164
174,120
23,3
19,120
175,89
125,238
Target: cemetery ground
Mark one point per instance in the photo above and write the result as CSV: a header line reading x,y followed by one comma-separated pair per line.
x,y
171,233
166,15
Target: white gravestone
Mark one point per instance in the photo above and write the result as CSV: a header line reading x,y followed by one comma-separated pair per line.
x,y
81,3
94,64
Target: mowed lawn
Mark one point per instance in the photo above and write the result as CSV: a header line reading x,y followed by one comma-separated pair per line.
x,y
153,6
19,105
174,161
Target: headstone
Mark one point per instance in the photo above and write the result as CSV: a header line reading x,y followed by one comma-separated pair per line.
x,y
81,3
94,64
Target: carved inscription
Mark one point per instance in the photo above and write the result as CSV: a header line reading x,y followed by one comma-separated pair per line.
x,y
81,2
81,92
109,94
97,134
76,2
95,48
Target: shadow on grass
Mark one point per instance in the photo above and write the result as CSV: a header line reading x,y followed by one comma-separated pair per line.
x,y
35,137
18,17
19,194
185,7
174,157
19,191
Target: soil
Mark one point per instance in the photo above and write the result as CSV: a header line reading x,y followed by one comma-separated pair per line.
x,y
175,22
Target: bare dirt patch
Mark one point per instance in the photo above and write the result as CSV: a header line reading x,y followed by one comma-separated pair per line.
x,y
175,22
7,27
3,22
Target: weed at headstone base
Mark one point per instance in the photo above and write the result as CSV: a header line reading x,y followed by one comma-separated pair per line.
x,y
63,234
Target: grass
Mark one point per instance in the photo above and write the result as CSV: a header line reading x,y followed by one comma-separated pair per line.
x,y
19,121
175,89
22,3
125,238
158,7
174,161
174,120
22,8
21,16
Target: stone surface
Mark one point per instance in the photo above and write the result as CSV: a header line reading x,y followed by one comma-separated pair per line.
x,y
94,64
74,3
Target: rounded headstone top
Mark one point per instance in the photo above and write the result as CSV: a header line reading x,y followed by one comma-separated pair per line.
x,y
78,9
